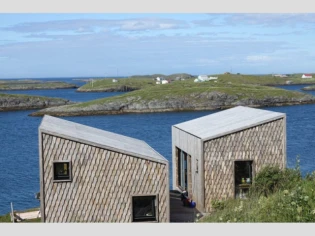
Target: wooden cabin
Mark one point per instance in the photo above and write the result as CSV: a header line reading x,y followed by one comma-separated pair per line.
x,y
216,157
91,175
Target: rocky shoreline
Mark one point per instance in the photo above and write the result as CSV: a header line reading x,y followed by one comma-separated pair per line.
x,y
19,102
111,89
204,101
36,86
309,88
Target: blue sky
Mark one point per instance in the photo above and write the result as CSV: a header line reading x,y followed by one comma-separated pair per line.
x,y
74,45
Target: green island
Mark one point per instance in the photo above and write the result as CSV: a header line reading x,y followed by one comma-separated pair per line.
x,y
13,102
185,95
309,88
33,84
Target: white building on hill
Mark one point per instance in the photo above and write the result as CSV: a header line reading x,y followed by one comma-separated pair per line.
x,y
307,76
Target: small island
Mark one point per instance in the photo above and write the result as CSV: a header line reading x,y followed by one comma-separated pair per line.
x,y
14,102
309,88
6,85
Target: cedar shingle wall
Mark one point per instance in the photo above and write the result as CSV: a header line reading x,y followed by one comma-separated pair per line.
x,y
102,183
263,144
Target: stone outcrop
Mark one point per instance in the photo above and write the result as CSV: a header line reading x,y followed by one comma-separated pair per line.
x,y
21,102
36,86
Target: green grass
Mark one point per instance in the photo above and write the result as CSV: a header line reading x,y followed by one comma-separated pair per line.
x,y
134,83
291,199
263,80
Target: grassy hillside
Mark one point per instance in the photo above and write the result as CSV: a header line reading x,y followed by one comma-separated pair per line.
x,y
145,81
263,80
129,83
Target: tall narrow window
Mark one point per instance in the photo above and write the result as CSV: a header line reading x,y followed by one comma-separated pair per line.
x,y
62,171
182,168
144,208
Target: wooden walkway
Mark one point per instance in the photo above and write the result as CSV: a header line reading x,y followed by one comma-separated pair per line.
x,y
180,213
18,217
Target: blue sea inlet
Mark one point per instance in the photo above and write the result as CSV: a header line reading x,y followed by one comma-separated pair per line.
x,y
19,157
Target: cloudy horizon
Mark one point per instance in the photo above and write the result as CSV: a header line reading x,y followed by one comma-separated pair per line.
x,y
103,45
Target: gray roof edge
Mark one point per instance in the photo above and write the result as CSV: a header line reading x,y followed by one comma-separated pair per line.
x,y
281,115
186,132
163,161
154,150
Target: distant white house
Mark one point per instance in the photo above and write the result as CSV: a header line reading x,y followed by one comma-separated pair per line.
x,y
115,80
161,81
307,76
202,78
280,75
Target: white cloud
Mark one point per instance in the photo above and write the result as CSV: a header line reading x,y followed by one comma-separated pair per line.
x,y
258,58
91,25
259,19
205,62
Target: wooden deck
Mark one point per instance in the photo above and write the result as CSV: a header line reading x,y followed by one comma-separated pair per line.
x,y
180,213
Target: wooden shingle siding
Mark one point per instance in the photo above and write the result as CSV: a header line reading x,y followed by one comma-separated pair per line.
x,y
263,144
102,183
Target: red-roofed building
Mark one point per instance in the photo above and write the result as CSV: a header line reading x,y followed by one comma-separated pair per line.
x,y
307,76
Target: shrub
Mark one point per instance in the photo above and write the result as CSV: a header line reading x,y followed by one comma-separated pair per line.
x,y
267,181
271,179
218,204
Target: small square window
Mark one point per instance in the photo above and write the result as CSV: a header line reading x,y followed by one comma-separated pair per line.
x,y
62,171
143,208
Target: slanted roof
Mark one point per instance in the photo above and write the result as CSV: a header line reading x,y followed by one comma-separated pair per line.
x,y
99,138
227,121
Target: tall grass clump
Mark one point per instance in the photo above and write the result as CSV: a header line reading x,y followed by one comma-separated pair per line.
x,y
276,196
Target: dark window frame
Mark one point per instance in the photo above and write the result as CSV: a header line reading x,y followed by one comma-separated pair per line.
x,y
251,175
154,205
55,178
